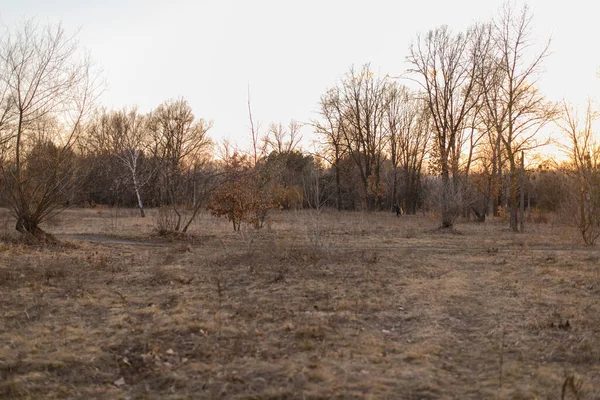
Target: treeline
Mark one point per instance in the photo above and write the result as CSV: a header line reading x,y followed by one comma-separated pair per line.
x,y
455,143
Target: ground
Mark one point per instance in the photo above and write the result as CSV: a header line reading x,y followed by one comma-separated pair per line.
x,y
337,305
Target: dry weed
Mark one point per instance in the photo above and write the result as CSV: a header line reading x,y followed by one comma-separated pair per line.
x,y
385,308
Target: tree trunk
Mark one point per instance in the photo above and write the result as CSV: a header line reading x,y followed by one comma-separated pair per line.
x,y
139,199
479,216
178,225
498,181
411,195
29,226
522,196
447,218
395,189
338,186
514,220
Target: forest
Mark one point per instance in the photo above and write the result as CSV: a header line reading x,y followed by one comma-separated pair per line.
x,y
462,134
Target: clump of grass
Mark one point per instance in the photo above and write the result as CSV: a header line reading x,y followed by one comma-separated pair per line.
x,y
410,233
370,257
103,263
55,271
74,288
7,276
11,389
182,248
573,386
170,301
161,275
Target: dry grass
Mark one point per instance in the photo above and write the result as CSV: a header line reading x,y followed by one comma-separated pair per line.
x,y
380,307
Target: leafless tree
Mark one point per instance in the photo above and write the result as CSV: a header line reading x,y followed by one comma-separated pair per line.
x,y
329,128
445,65
484,180
6,126
584,159
124,135
282,139
515,108
133,128
316,196
181,145
359,105
258,150
408,125
492,120
49,89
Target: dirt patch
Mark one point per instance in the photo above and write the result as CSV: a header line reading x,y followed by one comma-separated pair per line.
x,y
106,239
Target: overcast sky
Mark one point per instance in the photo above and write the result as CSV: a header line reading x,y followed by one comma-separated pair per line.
x,y
289,52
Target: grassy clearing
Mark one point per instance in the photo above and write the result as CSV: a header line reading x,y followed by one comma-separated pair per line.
x,y
377,307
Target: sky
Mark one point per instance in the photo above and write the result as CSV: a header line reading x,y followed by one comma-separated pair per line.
x,y
286,52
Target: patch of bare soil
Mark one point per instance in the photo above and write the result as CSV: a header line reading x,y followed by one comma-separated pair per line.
x,y
368,306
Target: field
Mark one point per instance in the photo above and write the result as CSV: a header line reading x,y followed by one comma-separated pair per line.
x,y
339,305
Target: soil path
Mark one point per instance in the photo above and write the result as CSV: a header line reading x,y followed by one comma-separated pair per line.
x,y
106,239
112,240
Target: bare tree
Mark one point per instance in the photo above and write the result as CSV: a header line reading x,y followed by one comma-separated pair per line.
x,y
180,144
515,108
446,66
132,126
49,90
492,119
316,196
258,151
283,140
409,131
484,181
329,127
584,158
6,119
123,134
359,105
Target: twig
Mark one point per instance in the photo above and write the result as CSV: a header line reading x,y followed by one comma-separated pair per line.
x,y
501,359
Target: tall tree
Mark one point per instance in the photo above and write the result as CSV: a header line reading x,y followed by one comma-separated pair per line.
x,y
123,135
329,127
49,89
445,65
515,108
359,104
584,167
409,131
132,128
283,140
179,142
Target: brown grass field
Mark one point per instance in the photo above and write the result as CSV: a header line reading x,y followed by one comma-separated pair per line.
x,y
378,307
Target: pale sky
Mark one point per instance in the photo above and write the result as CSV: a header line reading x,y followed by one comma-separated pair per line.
x,y
289,52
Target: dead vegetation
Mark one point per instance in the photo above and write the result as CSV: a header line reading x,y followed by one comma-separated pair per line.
x,y
385,307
